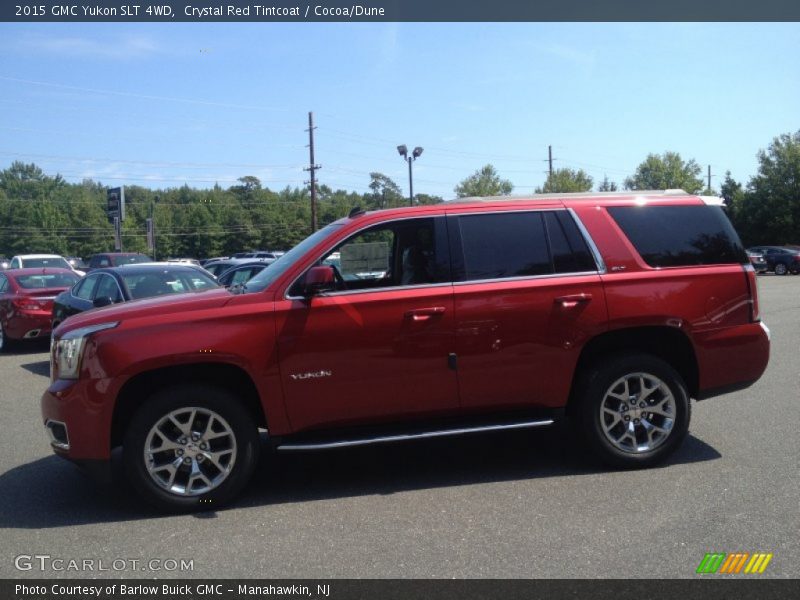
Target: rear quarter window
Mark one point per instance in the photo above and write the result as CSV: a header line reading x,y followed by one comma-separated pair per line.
x,y
675,236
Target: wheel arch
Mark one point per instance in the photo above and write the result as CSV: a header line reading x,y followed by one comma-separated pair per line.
x,y
667,343
222,375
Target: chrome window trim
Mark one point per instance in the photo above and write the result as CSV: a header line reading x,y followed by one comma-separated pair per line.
x,y
286,295
526,278
598,258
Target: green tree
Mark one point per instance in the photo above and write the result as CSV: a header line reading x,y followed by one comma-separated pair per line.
x,y
385,192
769,211
606,185
665,172
566,180
484,182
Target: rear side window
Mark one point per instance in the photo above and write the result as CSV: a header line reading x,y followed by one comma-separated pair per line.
x,y
503,245
675,236
520,244
569,251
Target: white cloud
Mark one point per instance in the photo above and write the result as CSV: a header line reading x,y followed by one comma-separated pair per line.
x,y
123,47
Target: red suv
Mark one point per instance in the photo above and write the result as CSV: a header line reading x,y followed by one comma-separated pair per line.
x,y
472,315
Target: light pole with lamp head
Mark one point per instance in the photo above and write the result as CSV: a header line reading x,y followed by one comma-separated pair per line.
x,y
403,151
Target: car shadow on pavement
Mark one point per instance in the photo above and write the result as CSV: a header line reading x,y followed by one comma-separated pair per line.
x,y
41,367
50,492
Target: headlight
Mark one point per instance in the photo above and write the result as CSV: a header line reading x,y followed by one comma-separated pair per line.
x,y
68,351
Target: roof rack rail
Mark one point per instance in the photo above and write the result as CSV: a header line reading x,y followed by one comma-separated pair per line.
x,y
574,195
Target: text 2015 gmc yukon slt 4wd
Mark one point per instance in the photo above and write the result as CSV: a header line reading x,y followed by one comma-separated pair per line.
x,y
472,315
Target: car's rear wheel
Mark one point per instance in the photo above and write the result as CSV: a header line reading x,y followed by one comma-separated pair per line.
x,y
191,447
780,269
634,410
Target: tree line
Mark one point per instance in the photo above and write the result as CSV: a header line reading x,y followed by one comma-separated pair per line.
x,y
44,213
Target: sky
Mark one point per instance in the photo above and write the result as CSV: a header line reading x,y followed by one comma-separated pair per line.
x,y
163,105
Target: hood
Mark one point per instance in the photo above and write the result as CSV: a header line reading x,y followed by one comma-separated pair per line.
x,y
161,305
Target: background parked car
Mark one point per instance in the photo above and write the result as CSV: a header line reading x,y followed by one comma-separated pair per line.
x,y
218,267
758,261
241,273
111,285
26,301
32,261
115,259
779,259
76,262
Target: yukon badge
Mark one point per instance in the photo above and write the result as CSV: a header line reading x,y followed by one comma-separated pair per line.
x,y
310,375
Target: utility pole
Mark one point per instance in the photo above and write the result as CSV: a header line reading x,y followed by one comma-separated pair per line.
x,y
312,167
709,178
550,160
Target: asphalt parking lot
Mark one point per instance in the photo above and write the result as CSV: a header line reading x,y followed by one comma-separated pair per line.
x,y
526,504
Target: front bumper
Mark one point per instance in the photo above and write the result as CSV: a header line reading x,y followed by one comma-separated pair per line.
x,y
82,409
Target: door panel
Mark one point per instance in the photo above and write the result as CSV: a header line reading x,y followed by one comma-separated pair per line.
x,y
367,356
518,341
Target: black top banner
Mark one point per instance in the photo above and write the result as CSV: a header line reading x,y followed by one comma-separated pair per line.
x,y
400,10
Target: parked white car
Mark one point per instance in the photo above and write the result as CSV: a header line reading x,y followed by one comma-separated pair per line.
x,y
32,261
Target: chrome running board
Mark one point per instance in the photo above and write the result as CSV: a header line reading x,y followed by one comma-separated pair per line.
x,y
401,437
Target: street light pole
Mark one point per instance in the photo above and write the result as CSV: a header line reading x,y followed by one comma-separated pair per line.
x,y
403,151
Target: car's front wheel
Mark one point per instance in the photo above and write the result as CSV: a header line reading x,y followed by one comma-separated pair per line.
x,y
191,447
780,269
634,410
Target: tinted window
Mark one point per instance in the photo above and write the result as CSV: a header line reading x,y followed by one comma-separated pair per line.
x,y
504,245
159,283
671,236
3,283
108,288
85,290
567,246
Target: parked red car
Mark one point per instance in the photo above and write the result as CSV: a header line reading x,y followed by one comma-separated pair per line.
x,y
473,315
26,301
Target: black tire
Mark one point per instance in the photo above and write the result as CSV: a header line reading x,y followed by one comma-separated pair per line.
x,y
229,413
6,343
780,269
595,388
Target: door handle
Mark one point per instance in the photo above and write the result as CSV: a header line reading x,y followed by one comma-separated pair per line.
x,y
573,300
424,314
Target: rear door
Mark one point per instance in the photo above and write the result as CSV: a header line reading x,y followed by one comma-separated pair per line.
x,y
527,296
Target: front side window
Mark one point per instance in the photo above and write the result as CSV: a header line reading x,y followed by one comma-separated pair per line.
x,y
3,284
85,291
399,253
108,288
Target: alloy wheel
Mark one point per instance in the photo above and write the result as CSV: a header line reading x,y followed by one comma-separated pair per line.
x,y
637,413
190,451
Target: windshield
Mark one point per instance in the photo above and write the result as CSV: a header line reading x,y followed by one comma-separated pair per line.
x,y
261,281
130,259
157,283
54,261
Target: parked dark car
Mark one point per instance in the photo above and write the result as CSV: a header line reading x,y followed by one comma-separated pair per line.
x,y
241,273
112,285
115,259
217,268
26,301
779,259
758,261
